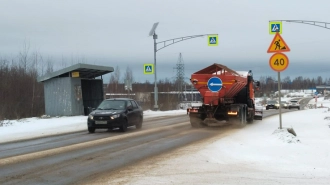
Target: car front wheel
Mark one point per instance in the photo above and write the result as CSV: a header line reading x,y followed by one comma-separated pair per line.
x,y
91,129
139,124
123,128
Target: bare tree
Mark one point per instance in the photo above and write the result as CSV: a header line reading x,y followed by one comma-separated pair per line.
x,y
63,62
50,66
114,80
128,78
319,80
23,56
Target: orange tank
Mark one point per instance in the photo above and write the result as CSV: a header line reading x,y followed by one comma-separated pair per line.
x,y
214,91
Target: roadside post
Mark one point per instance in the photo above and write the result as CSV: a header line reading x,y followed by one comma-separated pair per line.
x,y
315,101
278,61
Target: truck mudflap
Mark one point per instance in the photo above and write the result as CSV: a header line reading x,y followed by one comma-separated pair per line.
x,y
241,113
237,115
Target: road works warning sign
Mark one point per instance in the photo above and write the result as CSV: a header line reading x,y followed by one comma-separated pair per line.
x,y
278,45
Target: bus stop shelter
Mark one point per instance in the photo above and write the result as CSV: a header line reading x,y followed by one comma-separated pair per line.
x,y
74,90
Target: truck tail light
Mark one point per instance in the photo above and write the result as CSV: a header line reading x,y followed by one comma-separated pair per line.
x,y
234,113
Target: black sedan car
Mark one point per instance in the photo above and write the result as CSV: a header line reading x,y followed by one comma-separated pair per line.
x,y
116,112
272,105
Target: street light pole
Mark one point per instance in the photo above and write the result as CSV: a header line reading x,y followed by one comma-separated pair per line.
x,y
155,69
165,43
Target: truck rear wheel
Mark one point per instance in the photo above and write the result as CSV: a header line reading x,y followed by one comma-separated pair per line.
x,y
251,118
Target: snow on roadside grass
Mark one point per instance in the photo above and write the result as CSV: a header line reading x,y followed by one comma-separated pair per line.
x,y
150,113
284,135
12,130
259,153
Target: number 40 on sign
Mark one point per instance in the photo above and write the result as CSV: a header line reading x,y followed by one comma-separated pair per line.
x,y
279,62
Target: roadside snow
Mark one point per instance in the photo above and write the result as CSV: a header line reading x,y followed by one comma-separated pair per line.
x,y
284,135
259,153
13,130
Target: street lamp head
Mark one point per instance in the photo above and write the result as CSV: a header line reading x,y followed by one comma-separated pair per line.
x,y
153,29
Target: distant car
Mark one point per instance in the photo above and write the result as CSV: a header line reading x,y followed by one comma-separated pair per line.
x,y
294,104
272,105
284,104
115,112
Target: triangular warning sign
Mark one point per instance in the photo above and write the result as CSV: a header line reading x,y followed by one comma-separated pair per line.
x,y
278,45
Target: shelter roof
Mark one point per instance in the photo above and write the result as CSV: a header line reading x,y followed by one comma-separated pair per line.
x,y
85,71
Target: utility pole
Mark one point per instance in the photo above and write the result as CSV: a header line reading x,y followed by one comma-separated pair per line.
x,y
154,35
155,69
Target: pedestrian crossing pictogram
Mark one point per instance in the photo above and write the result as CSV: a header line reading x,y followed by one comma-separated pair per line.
x,y
275,27
212,40
148,69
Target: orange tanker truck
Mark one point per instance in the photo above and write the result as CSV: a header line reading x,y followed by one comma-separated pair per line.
x,y
227,95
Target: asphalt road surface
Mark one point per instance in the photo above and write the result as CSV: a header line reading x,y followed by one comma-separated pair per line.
x,y
80,157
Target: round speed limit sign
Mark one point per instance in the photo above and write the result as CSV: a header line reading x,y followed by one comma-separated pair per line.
x,y
279,62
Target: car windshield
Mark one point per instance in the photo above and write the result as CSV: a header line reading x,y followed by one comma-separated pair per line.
x,y
283,101
112,105
272,102
294,101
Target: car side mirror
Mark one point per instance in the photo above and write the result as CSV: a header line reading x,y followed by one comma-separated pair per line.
x,y
258,84
130,107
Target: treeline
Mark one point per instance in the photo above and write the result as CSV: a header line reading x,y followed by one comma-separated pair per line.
x,y
270,84
117,84
22,96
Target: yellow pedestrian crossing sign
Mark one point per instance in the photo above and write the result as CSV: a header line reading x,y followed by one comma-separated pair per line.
x,y
148,68
212,40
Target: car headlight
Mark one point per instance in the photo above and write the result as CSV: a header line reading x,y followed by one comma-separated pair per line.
x,y
115,116
91,117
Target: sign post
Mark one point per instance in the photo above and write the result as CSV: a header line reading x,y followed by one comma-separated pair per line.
x,y
278,61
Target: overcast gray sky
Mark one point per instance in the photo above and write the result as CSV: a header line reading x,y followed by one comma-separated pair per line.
x,y
115,33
